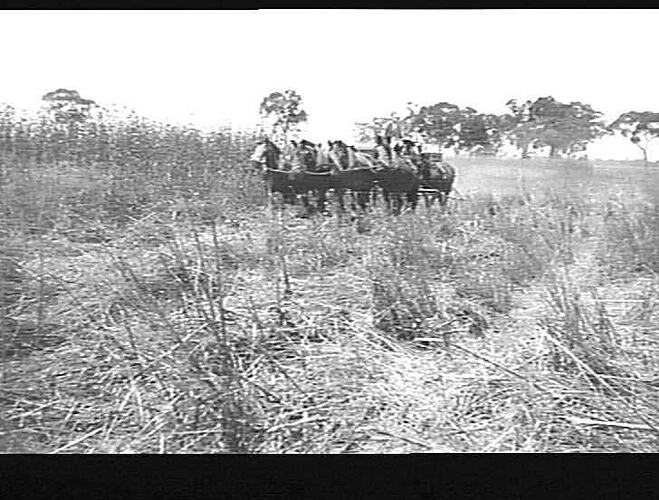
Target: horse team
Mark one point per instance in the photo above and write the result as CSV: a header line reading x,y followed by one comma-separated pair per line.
x,y
401,173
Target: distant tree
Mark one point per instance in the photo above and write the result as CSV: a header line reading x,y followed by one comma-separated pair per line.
x,y
443,124
639,127
519,127
68,107
479,133
286,110
438,123
564,128
567,128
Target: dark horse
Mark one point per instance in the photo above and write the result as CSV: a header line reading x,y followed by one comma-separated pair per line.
x,y
437,176
310,175
399,182
275,174
354,172
298,178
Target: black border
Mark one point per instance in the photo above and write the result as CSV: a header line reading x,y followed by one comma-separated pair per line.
x,y
478,476
313,4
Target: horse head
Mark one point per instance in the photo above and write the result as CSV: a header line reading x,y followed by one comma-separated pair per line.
x,y
266,154
341,155
305,155
324,159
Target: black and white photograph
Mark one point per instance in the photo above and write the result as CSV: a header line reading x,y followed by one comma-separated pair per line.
x,y
329,231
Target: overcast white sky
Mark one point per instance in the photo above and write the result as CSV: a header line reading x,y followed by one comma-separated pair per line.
x,y
214,67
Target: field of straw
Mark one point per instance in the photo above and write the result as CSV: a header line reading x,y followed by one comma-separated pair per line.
x,y
152,303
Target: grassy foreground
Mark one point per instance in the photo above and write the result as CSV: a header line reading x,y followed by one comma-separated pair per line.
x,y
522,318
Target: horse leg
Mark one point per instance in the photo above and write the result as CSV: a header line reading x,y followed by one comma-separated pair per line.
x,y
387,199
270,200
412,199
390,198
426,199
431,198
288,197
304,197
354,200
405,201
338,193
394,203
443,198
321,200
362,200
309,207
398,203
353,207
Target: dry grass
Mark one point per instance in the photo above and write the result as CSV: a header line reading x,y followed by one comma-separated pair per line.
x,y
509,322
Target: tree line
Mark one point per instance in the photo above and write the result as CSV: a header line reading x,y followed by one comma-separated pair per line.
x,y
564,128
71,126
